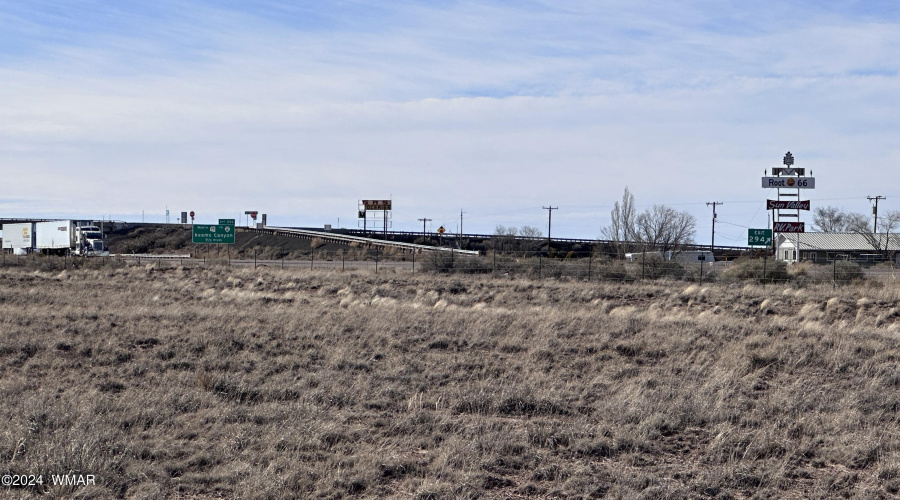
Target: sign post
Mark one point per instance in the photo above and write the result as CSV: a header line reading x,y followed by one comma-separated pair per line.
x,y
787,178
383,206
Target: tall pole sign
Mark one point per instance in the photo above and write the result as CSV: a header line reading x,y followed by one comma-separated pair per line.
x,y
372,206
788,180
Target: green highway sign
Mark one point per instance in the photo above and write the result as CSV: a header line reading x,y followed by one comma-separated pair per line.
x,y
228,222
759,237
213,233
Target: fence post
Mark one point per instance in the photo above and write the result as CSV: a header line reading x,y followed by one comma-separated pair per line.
x,y
254,258
590,262
312,260
834,274
376,259
643,262
342,260
540,266
701,273
765,259
414,262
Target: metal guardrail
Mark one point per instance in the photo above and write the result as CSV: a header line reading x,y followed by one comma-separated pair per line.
x,y
454,236
150,256
346,238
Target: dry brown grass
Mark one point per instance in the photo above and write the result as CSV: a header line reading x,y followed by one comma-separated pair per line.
x,y
229,382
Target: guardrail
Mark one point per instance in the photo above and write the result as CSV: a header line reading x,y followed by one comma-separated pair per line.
x,y
346,238
150,256
476,236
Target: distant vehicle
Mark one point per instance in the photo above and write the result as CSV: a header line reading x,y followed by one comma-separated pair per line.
x,y
684,257
64,237
18,237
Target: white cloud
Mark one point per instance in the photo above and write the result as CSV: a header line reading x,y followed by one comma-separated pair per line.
x,y
499,110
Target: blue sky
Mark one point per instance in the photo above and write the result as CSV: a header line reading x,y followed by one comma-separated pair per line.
x,y
299,109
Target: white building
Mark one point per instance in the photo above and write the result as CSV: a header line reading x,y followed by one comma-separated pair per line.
x,y
827,247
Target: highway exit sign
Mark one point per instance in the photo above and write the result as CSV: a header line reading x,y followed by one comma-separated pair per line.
x,y
759,237
217,234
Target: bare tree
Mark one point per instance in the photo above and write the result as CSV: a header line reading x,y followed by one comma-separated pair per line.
x,y
830,220
887,224
530,232
665,228
859,223
622,222
888,221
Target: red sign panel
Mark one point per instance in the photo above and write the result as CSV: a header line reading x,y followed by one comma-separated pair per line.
x,y
787,204
790,227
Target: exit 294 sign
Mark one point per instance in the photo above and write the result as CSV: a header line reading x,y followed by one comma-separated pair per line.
x,y
759,237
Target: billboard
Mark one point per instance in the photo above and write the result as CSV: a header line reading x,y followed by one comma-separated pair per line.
x,y
789,227
377,204
787,205
789,182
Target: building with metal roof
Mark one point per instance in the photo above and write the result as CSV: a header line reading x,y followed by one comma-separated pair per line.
x,y
827,247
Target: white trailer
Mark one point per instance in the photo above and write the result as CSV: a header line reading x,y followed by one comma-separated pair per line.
x,y
54,235
684,257
18,236
65,236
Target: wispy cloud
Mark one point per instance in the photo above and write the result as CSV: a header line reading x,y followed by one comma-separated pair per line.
x,y
301,109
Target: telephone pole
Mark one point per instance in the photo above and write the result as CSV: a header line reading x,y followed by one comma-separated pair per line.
x,y
460,221
424,221
549,222
712,245
875,210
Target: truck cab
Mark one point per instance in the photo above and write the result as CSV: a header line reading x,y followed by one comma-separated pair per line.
x,y
89,240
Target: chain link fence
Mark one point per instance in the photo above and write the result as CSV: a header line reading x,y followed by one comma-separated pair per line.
x,y
523,264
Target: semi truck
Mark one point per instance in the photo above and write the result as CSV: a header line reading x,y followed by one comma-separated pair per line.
x,y
18,237
56,237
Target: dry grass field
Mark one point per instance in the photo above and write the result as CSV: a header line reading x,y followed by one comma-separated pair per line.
x,y
242,383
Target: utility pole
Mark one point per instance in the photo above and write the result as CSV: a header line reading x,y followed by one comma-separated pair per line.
x,y
424,220
460,221
549,222
712,246
875,210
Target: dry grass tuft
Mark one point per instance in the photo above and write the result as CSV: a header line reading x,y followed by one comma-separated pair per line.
x,y
242,383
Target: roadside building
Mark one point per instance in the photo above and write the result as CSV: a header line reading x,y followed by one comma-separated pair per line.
x,y
828,247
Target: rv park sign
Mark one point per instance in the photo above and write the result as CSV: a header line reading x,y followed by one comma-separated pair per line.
x,y
787,177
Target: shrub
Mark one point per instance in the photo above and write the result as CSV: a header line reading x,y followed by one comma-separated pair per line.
x,y
844,271
655,268
760,270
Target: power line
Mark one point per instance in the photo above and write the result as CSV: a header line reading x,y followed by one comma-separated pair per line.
x,y
549,221
875,210
424,221
712,245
